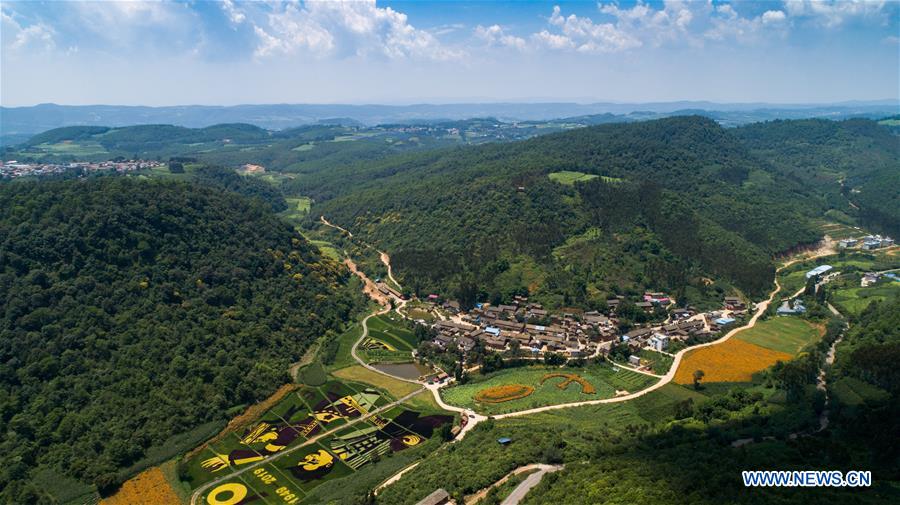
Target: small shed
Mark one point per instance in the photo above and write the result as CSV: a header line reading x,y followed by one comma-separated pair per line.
x,y
504,440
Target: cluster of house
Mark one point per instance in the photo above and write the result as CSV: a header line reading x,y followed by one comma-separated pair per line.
x,y
498,327
870,278
867,243
574,333
14,168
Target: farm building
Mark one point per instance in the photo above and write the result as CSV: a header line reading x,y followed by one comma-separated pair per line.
x,y
847,242
789,309
504,440
819,270
634,360
439,497
659,341
722,321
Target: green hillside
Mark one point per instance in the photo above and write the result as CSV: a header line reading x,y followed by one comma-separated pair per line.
x,y
136,315
693,202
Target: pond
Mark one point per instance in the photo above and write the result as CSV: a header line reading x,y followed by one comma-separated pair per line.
x,y
404,370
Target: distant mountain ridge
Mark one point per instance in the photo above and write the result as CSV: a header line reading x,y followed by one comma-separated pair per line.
x,y
20,121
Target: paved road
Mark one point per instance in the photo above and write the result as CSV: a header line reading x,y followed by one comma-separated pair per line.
x,y
336,227
199,491
532,480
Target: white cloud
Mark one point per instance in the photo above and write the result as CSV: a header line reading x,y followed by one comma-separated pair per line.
x,y
583,35
892,40
235,15
494,35
771,17
833,13
341,29
16,37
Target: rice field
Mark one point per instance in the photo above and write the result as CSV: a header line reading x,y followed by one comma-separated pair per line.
x,y
149,487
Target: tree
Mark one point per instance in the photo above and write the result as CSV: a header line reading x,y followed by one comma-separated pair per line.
x,y
554,359
698,376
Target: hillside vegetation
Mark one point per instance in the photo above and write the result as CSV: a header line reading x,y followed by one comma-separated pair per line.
x,y
688,200
133,312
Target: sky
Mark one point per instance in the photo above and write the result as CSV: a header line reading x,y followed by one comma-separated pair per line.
x,y
400,52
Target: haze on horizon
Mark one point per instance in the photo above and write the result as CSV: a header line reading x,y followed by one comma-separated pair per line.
x,y
401,52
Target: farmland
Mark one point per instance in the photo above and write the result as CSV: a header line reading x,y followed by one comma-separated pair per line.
x,y
734,360
604,378
569,178
389,340
289,427
783,334
854,300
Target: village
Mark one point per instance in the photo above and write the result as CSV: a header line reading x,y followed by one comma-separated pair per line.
x,y
12,168
527,330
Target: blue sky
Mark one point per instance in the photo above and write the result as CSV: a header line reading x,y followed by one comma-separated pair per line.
x,y
232,52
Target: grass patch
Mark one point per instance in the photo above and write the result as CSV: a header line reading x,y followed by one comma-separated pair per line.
x,y
783,334
392,330
854,300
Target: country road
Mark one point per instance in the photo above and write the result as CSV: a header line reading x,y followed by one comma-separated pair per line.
x,y
532,480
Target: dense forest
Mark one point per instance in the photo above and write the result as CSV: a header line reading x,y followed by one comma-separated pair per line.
x,y
682,195
855,161
134,311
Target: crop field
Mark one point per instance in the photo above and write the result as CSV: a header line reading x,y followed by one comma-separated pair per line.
x,y
659,362
291,479
854,300
569,177
389,340
77,149
783,334
359,373
149,487
852,391
734,360
604,379
299,416
298,208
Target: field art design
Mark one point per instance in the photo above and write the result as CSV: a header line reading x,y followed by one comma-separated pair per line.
x,y
290,479
586,386
731,361
504,391
302,415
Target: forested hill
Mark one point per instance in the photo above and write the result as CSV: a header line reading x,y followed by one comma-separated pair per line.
x,y
856,161
679,200
135,310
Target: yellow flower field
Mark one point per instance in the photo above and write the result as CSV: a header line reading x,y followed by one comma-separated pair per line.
x,y
731,361
149,487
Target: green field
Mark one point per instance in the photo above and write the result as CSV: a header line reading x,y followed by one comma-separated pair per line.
x,y
603,377
854,300
569,178
389,328
659,362
782,333
327,249
652,407
77,149
298,208
852,391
